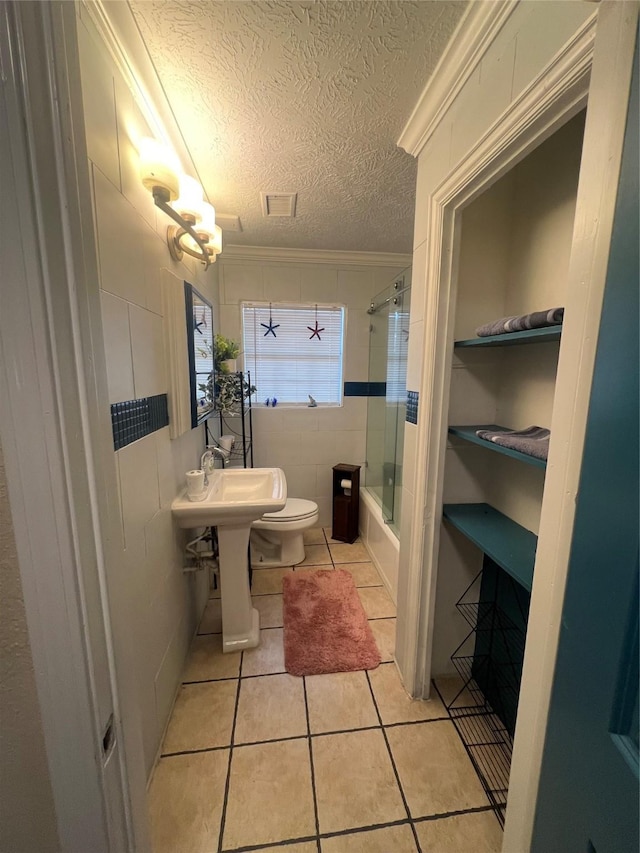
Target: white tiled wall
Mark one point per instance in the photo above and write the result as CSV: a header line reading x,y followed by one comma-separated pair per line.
x,y
307,442
147,582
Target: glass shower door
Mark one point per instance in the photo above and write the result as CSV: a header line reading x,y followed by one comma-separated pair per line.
x,y
396,405
386,408
376,403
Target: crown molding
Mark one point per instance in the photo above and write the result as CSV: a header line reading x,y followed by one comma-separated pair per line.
x,y
475,32
313,256
560,89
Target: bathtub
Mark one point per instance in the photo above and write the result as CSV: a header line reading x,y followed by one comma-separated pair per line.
x,y
381,542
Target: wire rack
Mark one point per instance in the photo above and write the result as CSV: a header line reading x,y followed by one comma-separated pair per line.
x,y
238,423
488,744
480,723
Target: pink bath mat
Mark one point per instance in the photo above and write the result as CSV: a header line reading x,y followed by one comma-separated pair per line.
x,y
325,626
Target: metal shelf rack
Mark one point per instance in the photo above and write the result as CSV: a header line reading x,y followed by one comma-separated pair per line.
x,y
237,422
489,663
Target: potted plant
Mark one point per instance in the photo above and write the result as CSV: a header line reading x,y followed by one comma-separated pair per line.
x,y
226,352
230,389
230,386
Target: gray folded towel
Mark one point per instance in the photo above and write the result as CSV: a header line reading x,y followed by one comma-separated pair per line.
x,y
535,320
534,440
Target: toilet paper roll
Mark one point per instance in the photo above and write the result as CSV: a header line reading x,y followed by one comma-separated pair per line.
x,y
195,485
346,485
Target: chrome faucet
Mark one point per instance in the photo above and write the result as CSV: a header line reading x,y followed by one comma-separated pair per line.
x,y
208,460
219,453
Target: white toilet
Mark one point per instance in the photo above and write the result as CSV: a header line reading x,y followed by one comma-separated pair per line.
x,y
276,538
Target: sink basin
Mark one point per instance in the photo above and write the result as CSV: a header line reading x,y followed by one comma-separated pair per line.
x,y
236,495
236,498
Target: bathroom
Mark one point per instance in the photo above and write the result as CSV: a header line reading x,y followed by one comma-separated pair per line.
x,y
155,610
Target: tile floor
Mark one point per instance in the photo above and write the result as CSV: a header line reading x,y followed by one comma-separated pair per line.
x,y
256,759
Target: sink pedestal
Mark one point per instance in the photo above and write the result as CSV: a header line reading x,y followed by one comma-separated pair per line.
x,y
240,620
235,499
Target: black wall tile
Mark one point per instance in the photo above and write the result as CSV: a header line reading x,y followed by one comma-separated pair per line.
x,y
133,419
365,389
412,407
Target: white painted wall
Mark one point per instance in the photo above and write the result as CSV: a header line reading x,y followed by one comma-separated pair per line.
x,y
147,584
307,442
27,812
514,258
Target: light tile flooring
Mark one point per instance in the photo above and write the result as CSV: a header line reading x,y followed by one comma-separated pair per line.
x,y
256,759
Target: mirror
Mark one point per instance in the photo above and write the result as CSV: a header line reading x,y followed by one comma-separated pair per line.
x,y
199,316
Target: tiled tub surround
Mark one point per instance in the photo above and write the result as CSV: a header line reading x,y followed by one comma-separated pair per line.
x,y
256,759
382,543
307,442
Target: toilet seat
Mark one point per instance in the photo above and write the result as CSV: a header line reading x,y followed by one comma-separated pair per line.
x,y
295,509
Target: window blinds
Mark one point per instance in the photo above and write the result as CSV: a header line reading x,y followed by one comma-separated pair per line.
x,y
397,354
296,362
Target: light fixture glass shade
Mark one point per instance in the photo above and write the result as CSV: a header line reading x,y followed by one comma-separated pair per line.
x,y
158,167
216,240
187,242
208,231
208,224
190,201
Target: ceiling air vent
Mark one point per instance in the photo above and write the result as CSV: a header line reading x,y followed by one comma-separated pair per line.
x,y
278,204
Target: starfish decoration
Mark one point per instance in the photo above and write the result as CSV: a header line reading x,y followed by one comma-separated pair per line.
x,y
270,327
406,333
197,324
315,333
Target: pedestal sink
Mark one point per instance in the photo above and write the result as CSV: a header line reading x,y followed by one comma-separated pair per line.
x,y
236,497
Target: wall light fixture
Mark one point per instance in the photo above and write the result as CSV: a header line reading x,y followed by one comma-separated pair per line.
x,y
180,197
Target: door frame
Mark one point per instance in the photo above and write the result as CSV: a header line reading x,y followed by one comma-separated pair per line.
x,y
559,92
592,67
588,793
55,430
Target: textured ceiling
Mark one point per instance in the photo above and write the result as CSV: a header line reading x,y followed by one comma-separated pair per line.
x,y
306,97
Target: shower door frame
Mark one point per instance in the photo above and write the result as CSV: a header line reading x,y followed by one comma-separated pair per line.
x,y
389,515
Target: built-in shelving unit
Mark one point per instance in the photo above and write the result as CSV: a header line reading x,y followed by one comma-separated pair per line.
x,y
529,336
514,249
468,433
508,544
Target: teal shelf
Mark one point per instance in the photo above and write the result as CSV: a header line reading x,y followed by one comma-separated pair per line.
x,y
468,433
529,336
508,544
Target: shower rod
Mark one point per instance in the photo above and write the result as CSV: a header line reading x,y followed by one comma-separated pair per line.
x,y
394,298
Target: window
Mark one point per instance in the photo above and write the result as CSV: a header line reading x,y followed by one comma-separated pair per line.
x,y
397,355
292,362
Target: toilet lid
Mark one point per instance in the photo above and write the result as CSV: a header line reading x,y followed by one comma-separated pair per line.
x,y
295,509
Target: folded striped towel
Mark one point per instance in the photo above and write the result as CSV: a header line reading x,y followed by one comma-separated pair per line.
x,y
534,440
535,320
